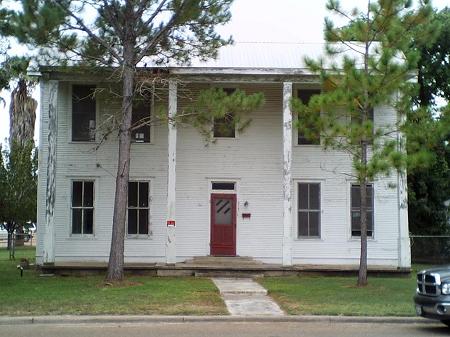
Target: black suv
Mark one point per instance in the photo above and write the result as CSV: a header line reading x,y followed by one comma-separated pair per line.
x,y
433,294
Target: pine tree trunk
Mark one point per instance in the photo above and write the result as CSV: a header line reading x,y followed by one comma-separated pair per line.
x,y
116,256
362,275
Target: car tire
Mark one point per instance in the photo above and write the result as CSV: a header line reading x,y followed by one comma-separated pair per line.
x,y
446,322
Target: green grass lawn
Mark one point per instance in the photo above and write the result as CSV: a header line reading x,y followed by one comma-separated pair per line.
x,y
333,295
35,295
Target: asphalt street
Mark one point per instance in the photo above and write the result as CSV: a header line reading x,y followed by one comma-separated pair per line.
x,y
226,329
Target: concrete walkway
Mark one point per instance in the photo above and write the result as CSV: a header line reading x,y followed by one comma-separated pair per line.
x,y
245,297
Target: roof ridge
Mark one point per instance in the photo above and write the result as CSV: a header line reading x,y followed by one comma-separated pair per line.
x,y
277,42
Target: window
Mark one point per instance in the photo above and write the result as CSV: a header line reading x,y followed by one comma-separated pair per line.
x,y
223,186
355,210
83,113
225,127
309,209
138,207
305,96
141,115
83,207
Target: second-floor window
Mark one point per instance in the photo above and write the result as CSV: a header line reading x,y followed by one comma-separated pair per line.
x,y
83,113
141,121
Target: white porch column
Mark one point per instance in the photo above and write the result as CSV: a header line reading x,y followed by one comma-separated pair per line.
x,y
287,164
404,243
171,175
52,133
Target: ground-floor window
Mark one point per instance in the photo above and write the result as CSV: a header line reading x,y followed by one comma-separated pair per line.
x,y
308,209
138,208
82,207
356,211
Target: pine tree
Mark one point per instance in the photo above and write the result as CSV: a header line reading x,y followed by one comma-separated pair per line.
x,y
372,64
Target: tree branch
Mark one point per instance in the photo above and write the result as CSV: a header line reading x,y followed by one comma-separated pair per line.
x,y
84,28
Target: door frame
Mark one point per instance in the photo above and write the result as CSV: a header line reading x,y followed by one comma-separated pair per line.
x,y
232,196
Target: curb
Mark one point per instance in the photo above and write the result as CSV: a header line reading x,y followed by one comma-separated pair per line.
x,y
134,319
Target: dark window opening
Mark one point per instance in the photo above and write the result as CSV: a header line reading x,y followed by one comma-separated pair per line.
x,y
309,209
138,208
141,116
356,211
82,207
223,186
83,113
305,96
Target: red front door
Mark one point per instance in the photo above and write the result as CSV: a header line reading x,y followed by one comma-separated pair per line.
x,y
223,224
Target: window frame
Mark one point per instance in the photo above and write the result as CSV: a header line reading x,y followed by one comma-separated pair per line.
x,y
70,119
296,209
137,235
372,209
296,133
236,133
94,206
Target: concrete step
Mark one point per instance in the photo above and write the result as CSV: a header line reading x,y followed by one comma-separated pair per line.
x,y
230,286
222,260
229,273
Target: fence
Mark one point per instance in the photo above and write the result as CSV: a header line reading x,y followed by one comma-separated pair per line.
x,y
17,239
434,249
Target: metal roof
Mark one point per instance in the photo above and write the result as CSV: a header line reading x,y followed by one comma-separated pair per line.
x,y
276,55
263,55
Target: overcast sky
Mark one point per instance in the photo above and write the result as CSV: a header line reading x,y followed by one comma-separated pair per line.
x,y
260,21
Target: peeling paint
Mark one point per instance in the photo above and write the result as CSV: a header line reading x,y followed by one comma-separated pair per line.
x,y
49,246
287,165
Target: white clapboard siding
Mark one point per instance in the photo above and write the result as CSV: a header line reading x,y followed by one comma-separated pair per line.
x,y
253,160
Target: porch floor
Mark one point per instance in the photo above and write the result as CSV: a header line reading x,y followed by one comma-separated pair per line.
x,y
210,266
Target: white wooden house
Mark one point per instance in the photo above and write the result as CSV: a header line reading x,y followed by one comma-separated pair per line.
x,y
263,193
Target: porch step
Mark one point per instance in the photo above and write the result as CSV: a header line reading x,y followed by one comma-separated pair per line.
x,y
223,261
230,273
